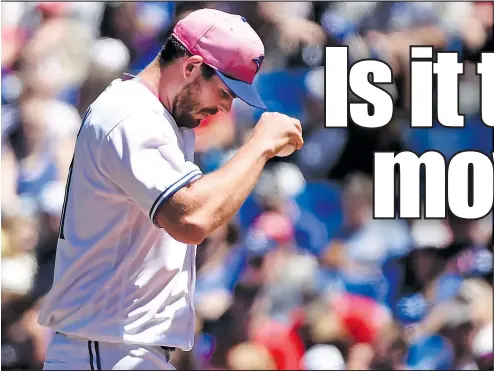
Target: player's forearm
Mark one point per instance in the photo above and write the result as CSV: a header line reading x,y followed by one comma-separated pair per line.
x,y
221,193
196,211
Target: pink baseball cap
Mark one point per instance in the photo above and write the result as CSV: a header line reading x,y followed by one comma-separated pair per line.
x,y
229,45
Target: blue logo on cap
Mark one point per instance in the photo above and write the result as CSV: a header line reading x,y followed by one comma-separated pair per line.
x,y
258,61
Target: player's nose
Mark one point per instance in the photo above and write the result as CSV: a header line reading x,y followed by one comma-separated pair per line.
x,y
225,106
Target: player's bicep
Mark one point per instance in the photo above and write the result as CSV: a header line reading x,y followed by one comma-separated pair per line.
x,y
146,166
171,215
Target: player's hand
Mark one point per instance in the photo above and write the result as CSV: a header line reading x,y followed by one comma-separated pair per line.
x,y
276,130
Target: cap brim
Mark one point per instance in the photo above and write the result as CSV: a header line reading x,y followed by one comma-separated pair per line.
x,y
243,90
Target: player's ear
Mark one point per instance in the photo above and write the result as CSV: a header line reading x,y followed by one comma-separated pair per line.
x,y
192,67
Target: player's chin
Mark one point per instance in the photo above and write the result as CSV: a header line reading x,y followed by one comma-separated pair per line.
x,y
195,122
189,122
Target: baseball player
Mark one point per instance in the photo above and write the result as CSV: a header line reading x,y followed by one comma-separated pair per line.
x,y
136,205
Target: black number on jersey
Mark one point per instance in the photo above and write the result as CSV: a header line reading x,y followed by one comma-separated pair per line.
x,y
69,177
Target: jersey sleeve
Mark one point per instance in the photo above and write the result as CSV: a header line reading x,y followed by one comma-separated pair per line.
x,y
145,161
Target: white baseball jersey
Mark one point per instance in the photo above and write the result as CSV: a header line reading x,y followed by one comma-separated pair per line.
x,y
118,276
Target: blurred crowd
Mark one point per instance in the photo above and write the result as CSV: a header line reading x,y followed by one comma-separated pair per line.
x,y
303,277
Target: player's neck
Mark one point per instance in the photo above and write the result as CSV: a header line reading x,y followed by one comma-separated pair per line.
x,y
151,77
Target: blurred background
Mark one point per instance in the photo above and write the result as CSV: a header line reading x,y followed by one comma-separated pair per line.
x,y
302,278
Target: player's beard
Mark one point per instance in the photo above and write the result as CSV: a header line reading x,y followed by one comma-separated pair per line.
x,y
185,104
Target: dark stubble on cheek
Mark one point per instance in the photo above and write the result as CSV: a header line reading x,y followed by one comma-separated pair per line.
x,y
185,104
